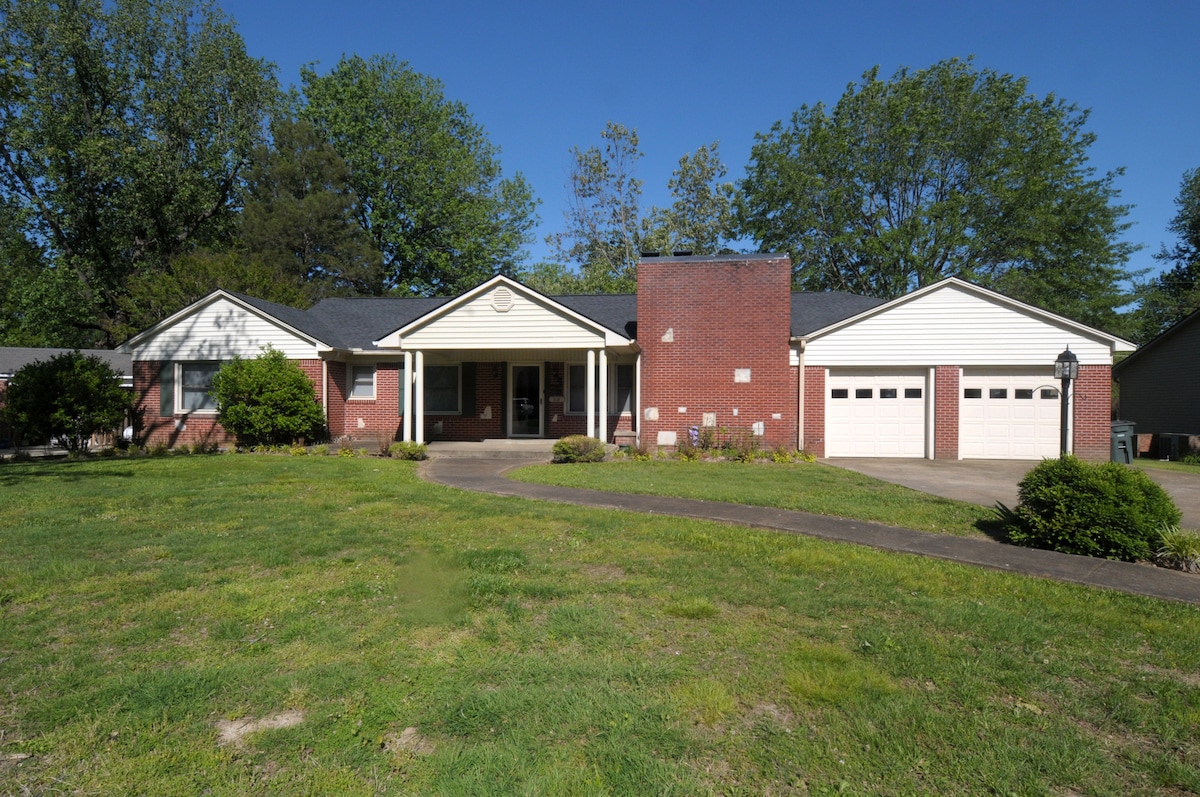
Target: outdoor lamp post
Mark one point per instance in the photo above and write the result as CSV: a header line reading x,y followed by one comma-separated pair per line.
x,y
1066,368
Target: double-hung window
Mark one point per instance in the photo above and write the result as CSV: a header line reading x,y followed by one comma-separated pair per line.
x,y
362,381
442,390
620,389
195,387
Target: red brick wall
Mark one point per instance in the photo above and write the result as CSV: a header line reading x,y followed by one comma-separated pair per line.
x,y
152,428
814,410
1092,410
945,411
724,314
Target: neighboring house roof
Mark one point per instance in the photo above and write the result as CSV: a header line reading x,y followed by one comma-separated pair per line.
x,y
1162,339
14,358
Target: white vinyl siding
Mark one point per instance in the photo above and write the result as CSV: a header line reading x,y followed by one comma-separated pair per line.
x,y
875,414
952,325
222,330
526,324
1007,414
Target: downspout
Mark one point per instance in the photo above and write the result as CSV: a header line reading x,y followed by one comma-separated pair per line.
x,y
325,390
637,399
800,395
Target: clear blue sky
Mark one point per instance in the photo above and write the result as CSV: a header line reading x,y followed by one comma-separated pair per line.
x,y
543,77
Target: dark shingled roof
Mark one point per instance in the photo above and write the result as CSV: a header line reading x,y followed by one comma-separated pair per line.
x,y
13,358
355,323
813,311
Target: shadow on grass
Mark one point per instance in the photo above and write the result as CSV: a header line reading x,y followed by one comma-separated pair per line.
x,y
996,527
62,468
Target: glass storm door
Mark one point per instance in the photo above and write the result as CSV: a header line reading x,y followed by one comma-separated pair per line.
x,y
525,406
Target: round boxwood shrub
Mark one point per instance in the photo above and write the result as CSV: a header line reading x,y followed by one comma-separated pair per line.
x,y
579,448
1107,510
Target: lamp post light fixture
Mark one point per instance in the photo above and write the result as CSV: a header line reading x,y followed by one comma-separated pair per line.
x,y
1066,368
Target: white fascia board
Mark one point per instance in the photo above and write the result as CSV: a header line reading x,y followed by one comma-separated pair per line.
x,y
1115,343
395,339
128,346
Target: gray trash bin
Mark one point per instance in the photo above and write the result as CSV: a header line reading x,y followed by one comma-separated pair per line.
x,y
1122,442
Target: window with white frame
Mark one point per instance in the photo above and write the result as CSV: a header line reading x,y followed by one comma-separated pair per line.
x,y
195,387
362,381
620,389
442,390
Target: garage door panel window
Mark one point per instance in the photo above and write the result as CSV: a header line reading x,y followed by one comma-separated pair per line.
x,y
912,392
1022,394
998,393
839,393
864,392
1049,393
887,392
972,393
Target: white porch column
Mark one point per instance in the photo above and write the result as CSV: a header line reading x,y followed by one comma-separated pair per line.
x,y
590,403
603,415
419,398
406,385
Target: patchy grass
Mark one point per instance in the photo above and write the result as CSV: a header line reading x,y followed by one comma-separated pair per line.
x,y
301,625
805,487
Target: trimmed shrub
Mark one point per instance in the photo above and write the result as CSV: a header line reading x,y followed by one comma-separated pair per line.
x,y
1107,510
267,401
579,448
408,450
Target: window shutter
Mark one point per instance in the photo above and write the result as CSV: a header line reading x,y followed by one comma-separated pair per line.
x,y
468,390
504,399
166,389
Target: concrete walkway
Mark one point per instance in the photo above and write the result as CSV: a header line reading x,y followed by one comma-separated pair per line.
x,y
486,475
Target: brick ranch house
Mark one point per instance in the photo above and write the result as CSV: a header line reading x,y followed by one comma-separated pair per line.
x,y
948,371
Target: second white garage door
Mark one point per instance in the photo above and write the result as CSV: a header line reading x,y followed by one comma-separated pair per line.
x,y
875,415
1008,415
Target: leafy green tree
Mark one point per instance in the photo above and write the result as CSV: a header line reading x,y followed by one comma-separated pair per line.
x,y
700,218
430,194
603,222
947,171
1175,292
66,399
124,130
267,400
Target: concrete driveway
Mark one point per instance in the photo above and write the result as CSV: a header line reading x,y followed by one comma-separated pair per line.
x,y
988,481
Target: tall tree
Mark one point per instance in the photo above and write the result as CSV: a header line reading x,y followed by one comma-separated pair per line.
x,y
431,196
603,223
700,217
950,170
1175,292
300,215
124,130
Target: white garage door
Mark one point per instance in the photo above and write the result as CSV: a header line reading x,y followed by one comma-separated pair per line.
x,y
1008,415
875,415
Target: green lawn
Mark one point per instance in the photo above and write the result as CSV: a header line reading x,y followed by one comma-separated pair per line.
x,y
428,641
807,487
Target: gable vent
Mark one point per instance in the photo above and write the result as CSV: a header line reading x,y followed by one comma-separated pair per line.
x,y
502,300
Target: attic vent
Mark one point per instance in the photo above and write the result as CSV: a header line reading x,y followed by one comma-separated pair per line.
x,y
502,300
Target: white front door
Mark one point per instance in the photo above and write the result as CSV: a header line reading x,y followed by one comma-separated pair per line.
x,y
874,414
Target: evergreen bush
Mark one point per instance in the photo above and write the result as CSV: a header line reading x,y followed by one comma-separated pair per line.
x,y
1106,510
579,448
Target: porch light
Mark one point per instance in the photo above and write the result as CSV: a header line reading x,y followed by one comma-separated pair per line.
x,y
1066,368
